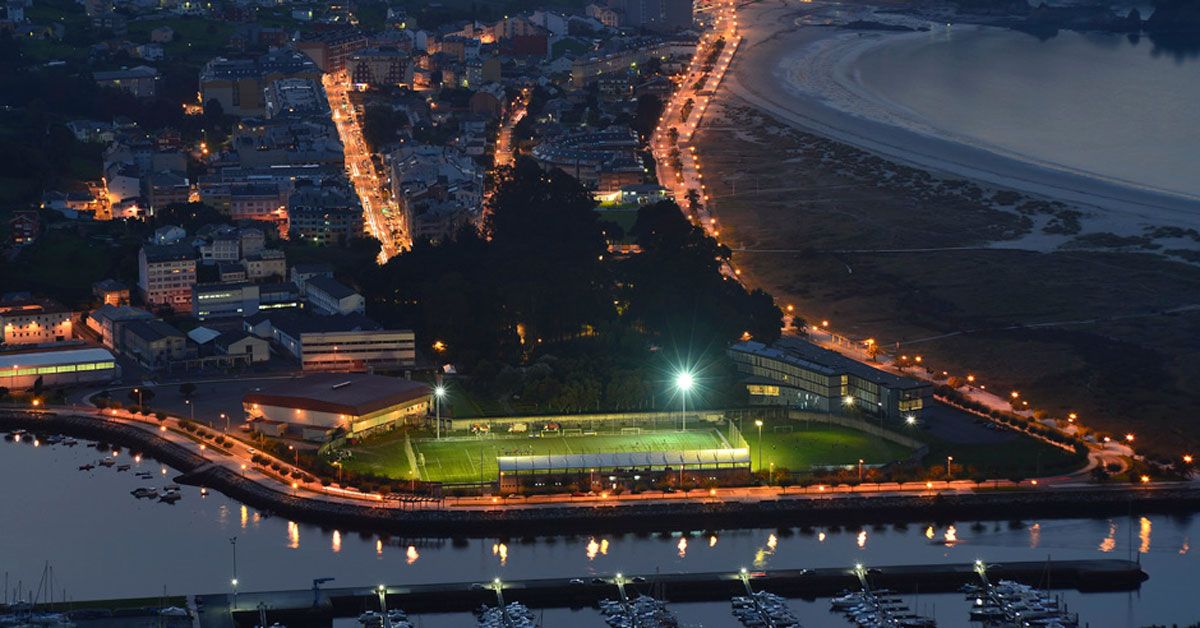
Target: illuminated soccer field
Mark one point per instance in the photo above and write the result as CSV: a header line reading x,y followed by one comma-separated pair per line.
x,y
470,458
460,461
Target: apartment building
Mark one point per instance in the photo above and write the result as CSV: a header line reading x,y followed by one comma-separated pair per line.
x,y
166,273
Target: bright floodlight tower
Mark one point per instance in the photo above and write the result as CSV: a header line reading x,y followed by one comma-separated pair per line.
x,y
684,380
439,392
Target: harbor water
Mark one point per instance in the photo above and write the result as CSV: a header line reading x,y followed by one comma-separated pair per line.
x,y
105,543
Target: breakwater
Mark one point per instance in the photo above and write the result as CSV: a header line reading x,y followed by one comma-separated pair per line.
x,y
318,607
614,515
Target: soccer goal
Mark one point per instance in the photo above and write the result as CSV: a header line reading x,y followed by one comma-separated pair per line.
x,y
785,429
636,431
572,431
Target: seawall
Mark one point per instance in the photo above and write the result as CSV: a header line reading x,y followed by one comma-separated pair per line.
x,y
781,511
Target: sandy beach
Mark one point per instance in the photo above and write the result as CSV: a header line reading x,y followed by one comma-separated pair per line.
x,y
800,74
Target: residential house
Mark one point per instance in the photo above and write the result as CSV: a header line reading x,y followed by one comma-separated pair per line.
x,y
111,292
24,226
266,265
242,343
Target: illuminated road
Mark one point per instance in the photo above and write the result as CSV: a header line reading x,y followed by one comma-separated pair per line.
x,y
697,87
385,218
517,111
694,86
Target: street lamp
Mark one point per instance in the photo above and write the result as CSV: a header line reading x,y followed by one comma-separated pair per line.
x,y
758,423
225,417
860,469
191,408
684,382
139,394
439,391
949,460
910,420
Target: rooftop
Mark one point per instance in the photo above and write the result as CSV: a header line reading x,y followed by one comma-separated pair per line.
x,y
152,330
28,307
305,268
354,394
141,71
119,313
330,286
809,356
294,323
23,359
627,460
168,252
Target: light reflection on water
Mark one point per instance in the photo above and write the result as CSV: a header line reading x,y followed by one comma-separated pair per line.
x,y
64,511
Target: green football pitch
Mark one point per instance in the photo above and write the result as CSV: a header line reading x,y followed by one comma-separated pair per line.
x,y
795,446
789,445
467,459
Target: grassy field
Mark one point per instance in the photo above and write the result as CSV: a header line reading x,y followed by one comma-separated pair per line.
x,y
793,446
458,459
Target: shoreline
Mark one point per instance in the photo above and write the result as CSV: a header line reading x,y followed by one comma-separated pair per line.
x,y
520,520
762,77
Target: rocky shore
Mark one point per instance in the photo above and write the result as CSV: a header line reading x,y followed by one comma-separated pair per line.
x,y
787,510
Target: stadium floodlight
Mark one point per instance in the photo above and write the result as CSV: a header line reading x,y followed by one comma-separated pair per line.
x,y
439,392
684,380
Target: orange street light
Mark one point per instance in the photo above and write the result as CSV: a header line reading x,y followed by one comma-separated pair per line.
x,y
1187,458
1014,394
1145,479
1129,438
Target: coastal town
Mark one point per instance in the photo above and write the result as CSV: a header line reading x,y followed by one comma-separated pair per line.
x,y
459,269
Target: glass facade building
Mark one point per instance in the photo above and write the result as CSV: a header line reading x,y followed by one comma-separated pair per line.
x,y
798,374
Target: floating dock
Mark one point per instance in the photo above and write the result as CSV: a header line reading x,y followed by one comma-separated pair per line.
x,y
319,607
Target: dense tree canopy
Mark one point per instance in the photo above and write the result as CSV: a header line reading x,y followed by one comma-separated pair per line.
x,y
537,309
